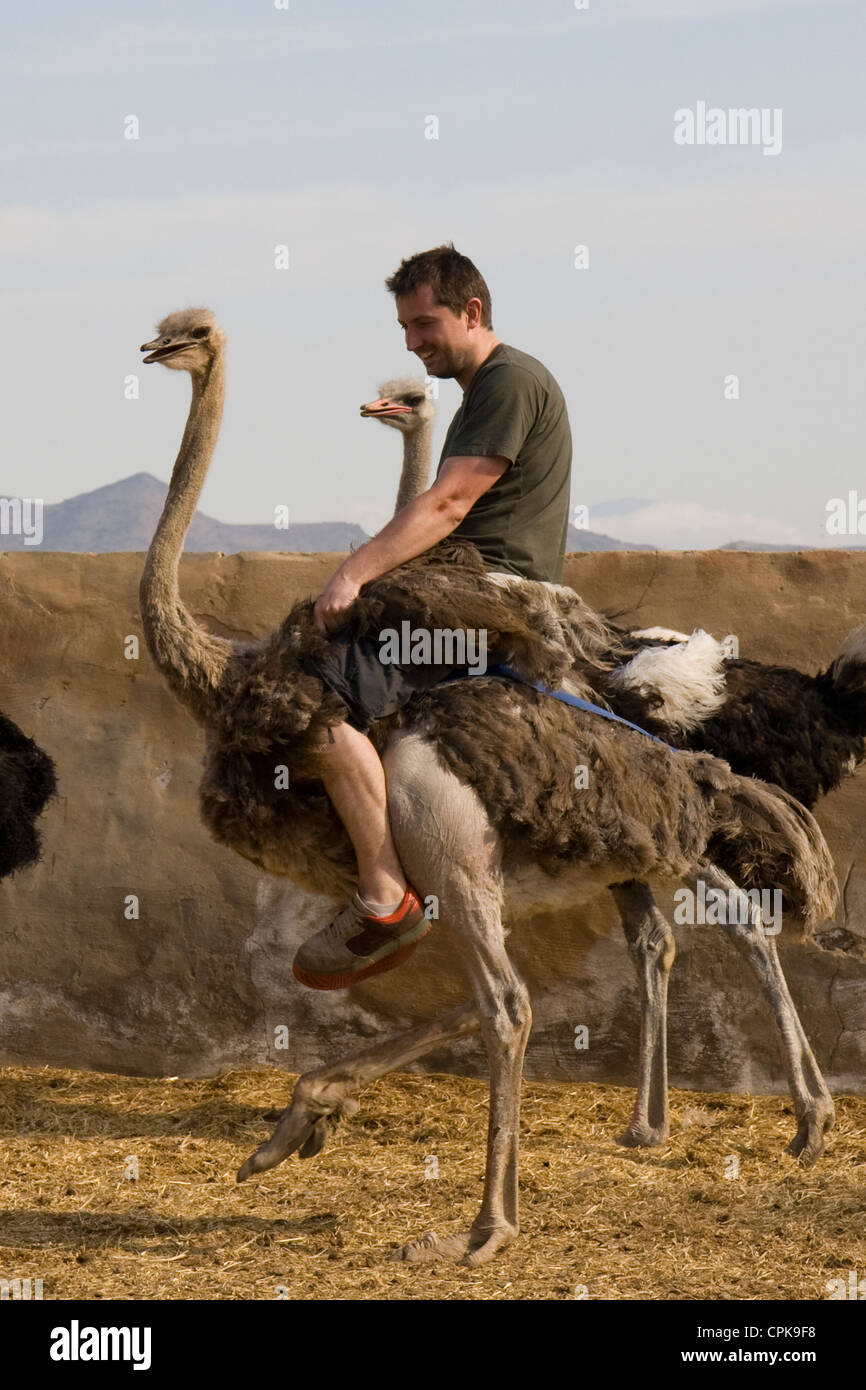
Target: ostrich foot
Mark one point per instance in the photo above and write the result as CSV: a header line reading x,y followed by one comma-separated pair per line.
x,y
808,1142
322,1096
302,1129
640,1134
470,1247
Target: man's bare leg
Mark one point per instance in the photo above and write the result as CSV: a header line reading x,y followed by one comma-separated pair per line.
x,y
354,779
385,921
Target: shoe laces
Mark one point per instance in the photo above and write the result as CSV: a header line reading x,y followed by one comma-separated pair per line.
x,y
352,914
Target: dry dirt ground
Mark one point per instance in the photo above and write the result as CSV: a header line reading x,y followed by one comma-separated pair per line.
x,y
665,1223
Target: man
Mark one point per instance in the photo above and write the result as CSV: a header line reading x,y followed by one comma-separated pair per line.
x,y
503,483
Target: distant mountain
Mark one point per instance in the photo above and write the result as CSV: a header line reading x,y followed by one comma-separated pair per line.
x,y
123,516
761,545
769,545
594,540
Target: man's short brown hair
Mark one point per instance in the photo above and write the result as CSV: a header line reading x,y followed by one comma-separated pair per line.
x,y
452,277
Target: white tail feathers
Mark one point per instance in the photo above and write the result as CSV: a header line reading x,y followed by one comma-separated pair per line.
x,y
688,676
849,669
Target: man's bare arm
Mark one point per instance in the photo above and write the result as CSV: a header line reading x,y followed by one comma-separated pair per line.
x,y
418,526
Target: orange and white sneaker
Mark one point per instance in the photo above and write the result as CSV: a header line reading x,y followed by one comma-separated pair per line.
x,y
357,945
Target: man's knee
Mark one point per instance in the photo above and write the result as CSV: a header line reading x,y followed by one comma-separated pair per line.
x,y
349,750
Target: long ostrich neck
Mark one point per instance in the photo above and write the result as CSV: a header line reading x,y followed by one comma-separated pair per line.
x,y
191,659
417,460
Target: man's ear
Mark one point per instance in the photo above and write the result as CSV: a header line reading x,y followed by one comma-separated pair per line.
x,y
473,313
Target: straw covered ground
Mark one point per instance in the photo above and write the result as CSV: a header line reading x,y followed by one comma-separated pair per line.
x,y
623,1224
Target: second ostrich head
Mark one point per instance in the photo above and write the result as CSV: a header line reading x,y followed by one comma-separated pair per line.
x,y
404,404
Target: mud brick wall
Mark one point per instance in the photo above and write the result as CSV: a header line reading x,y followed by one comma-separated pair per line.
x,y
202,978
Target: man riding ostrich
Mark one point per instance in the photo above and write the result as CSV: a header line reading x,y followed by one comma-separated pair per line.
x,y
503,483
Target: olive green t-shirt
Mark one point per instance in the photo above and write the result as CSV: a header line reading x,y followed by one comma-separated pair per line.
x,y
514,408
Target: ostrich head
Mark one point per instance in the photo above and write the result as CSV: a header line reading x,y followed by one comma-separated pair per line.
x,y
187,339
402,403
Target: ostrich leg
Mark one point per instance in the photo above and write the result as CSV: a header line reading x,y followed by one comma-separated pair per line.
x,y
447,844
813,1104
652,949
502,1012
321,1096
506,1022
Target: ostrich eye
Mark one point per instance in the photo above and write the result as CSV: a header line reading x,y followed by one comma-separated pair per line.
x,y
199,332
413,400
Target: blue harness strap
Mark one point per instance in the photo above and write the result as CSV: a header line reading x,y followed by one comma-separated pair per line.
x,y
562,695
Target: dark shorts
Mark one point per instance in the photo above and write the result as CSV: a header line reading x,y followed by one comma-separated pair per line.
x,y
370,688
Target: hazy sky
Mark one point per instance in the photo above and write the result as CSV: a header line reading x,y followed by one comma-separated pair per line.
x,y
306,126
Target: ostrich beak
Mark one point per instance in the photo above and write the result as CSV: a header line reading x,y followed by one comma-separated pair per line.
x,y
157,349
384,406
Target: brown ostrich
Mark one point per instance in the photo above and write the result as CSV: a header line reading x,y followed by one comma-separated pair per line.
x,y
481,796
799,732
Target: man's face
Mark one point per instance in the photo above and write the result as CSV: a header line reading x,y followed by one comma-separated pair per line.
x,y
434,333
